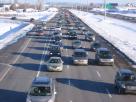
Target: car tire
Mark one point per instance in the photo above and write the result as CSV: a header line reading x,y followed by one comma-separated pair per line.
x,y
121,91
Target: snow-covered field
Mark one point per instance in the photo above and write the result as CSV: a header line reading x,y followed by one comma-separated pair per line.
x,y
11,31
120,33
4,26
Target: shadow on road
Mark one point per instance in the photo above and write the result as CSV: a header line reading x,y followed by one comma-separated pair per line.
x,y
12,96
88,85
30,55
30,66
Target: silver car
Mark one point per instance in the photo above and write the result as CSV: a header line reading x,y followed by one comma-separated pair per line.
x,y
80,57
41,90
55,64
104,57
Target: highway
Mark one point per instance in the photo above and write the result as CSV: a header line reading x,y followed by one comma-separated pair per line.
x,y
24,60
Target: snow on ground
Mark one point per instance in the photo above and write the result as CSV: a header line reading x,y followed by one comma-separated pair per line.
x,y
120,33
11,30
4,26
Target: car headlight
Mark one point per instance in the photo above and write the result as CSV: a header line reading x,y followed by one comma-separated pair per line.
x,y
75,60
28,99
123,86
51,53
112,60
50,100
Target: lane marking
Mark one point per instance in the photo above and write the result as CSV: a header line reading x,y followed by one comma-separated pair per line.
x,y
109,94
69,82
26,45
70,101
42,59
98,73
67,66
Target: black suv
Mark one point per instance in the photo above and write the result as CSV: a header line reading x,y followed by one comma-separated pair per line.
x,y
95,45
89,36
125,81
54,51
72,35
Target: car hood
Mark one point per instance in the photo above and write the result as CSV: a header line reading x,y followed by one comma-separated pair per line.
x,y
40,98
54,65
130,83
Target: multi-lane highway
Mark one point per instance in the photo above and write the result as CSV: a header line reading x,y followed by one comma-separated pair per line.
x,y
26,59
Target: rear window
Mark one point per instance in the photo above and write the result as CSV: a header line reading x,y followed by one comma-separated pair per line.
x,y
80,54
40,91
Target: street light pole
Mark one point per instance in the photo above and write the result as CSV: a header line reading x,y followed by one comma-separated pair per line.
x,y
105,9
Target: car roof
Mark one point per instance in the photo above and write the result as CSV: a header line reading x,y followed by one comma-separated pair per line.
x,y
79,50
42,80
102,49
127,71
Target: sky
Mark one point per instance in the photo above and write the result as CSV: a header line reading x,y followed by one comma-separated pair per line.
x,y
75,1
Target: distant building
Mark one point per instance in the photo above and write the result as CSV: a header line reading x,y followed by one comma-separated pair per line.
x,y
4,7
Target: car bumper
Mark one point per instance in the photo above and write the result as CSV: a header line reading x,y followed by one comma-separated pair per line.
x,y
58,69
80,62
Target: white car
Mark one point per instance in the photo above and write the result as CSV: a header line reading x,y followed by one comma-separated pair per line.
x,y
42,90
55,64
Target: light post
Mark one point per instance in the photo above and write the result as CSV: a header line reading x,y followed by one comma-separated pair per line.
x,y
105,9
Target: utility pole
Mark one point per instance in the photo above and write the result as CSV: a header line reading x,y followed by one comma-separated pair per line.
x,y
105,13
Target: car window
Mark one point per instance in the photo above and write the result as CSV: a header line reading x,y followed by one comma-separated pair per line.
x,y
80,54
128,77
96,45
105,54
55,61
40,91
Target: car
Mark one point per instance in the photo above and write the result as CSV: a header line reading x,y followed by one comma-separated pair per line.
x,y
32,19
103,56
54,50
42,89
72,35
89,36
13,18
59,44
80,57
55,64
76,44
125,81
95,45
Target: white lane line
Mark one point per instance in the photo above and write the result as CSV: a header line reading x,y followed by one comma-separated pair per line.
x,y
42,59
109,94
26,45
98,73
69,82
70,101
67,66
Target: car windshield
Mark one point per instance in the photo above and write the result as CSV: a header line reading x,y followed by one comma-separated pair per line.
x,y
40,91
54,48
128,77
96,45
55,61
80,54
77,42
105,54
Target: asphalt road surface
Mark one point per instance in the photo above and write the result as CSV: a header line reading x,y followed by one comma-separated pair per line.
x,y
26,59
